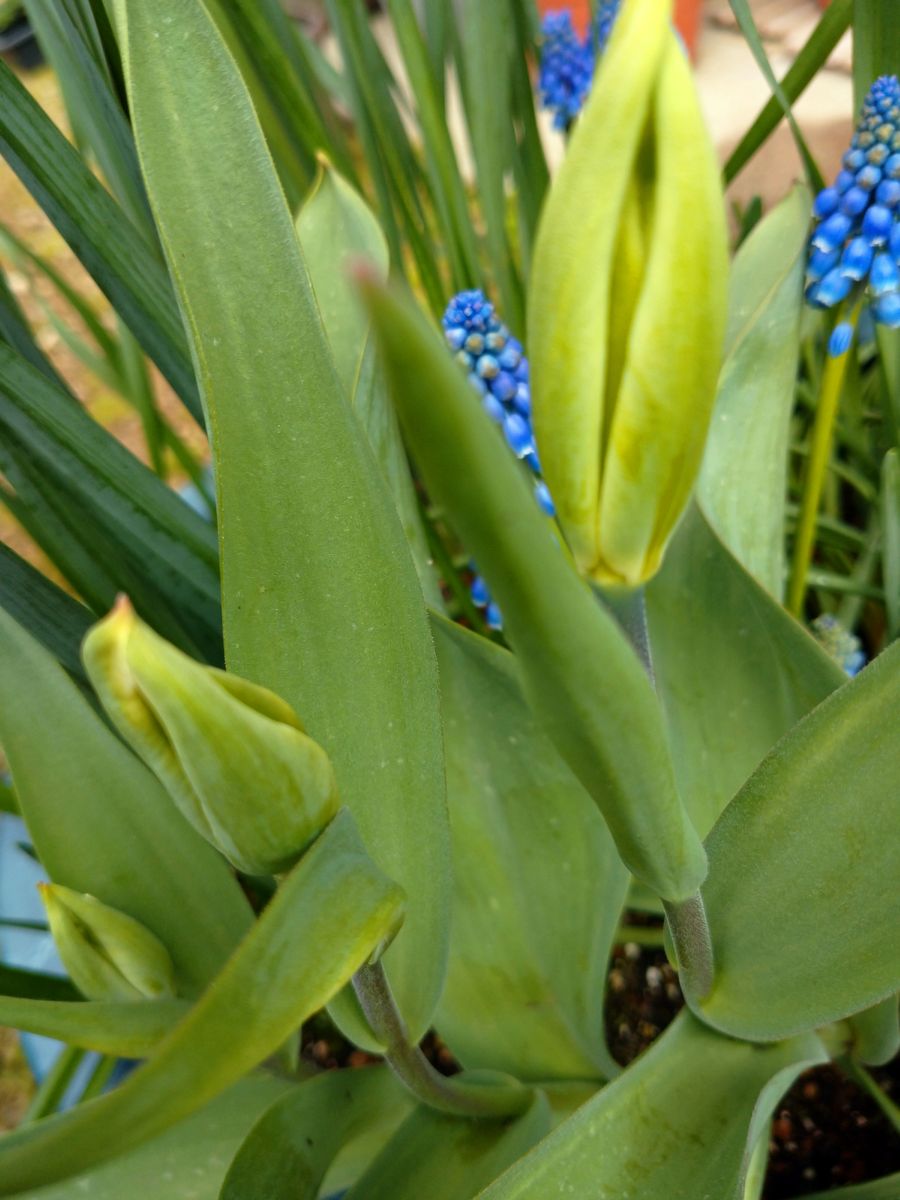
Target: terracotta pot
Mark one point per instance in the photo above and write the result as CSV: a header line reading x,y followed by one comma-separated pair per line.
x,y
687,16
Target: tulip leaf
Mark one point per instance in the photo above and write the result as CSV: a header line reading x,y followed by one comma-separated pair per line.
x,y
335,225
448,1158
761,671
131,1029
310,544
887,1188
331,912
680,1122
802,908
539,886
890,492
291,1147
100,822
744,478
187,1162
572,655
876,1032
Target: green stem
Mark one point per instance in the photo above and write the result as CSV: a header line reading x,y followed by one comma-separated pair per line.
x,y
817,464
504,1098
100,1077
693,945
861,1076
47,1098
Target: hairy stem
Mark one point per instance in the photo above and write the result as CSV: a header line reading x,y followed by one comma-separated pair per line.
x,y
693,946
498,1098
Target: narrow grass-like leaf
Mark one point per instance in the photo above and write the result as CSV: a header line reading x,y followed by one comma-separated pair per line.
x,y
289,1150
831,28
680,1122
130,1030
811,835
20,984
121,261
310,543
538,883
447,1158
876,44
101,823
572,655
329,915
50,615
741,10
762,672
14,330
743,482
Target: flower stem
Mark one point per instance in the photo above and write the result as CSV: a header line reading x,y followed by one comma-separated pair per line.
x,y
864,1080
816,467
498,1096
693,945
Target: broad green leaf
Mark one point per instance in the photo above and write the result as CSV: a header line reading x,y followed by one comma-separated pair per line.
x,y
743,481
802,908
336,226
185,1163
890,499
447,1158
573,657
681,1122
51,616
289,1150
831,28
332,911
735,672
320,597
876,44
875,1033
101,823
887,1188
122,263
538,888
131,1030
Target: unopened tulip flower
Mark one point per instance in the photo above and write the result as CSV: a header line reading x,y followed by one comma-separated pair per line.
x,y
108,955
627,305
233,756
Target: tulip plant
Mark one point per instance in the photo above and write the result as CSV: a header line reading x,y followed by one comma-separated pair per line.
x,y
484,642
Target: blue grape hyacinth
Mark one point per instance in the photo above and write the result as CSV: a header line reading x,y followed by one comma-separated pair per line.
x,y
842,645
567,62
855,245
497,370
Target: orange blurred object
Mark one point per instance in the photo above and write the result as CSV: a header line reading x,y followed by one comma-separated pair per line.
x,y
687,17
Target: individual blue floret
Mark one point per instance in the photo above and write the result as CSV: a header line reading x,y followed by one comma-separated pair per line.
x,y
841,337
855,244
568,62
497,370
842,645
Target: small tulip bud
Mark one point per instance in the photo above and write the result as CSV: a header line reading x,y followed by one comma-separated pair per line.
x,y
109,955
233,756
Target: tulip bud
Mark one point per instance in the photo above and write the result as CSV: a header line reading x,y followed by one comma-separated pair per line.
x,y
627,305
109,955
232,755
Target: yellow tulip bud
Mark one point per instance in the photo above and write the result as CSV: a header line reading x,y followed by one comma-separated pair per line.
x,y
233,756
108,955
628,302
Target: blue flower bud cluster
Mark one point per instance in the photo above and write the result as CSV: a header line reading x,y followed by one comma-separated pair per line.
x,y
855,245
842,645
567,62
497,370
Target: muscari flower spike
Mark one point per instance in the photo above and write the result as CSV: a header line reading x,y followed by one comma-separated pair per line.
x,y
567,62
855,245
842,645
497,369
